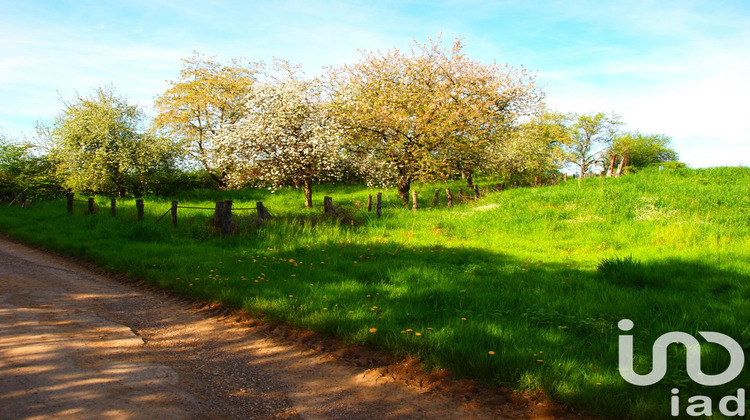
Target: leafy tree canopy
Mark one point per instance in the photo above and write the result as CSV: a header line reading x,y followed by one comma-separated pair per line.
x,y
206,96
99,145
421,113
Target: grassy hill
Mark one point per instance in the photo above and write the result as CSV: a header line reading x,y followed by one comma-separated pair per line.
x,y
523,288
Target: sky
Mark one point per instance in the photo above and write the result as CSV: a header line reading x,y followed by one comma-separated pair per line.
x,y
679,68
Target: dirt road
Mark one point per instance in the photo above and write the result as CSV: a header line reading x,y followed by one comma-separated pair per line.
x,y
76,344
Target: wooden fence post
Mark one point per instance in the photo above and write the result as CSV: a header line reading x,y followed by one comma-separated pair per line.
x,y
226,218
414,201
113,204
218,214
449,196
476,192
139,209
22,200
565,177
379,204
174,213
369,203
91,205
460,195
263,213
437,197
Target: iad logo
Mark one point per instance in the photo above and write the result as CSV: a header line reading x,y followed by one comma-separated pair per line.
x,y
702,404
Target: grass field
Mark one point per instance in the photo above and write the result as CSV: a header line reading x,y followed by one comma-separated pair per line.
x,y
523,287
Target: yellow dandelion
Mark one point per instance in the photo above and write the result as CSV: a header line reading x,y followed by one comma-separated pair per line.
x,y
463,319
372,330
491,352
540,361
351,312
325,309
408,330
369,296
429,329
291,295
598,384
418,334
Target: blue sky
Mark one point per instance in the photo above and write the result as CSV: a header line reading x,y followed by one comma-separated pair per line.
x,y
678,68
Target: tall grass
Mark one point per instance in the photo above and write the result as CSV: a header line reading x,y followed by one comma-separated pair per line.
x,y
539,276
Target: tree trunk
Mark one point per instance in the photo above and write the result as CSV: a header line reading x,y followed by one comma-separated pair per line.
x,y
219,180
308,194
623,162
403,191
468,174
611,168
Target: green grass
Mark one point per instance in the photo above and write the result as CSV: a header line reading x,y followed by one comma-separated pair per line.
x,y
540,275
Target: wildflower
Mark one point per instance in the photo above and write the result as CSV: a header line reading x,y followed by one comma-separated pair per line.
x,y
291,295
491,352
463,319
372,330
351,312
418,334
325,309
408,330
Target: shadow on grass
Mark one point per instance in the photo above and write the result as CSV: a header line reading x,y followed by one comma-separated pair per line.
x,y
550,326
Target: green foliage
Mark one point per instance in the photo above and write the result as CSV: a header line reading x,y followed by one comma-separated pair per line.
x,y
624,271
21,170
587,136
643,150
99,145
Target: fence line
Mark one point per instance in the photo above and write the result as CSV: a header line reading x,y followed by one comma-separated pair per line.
x,y
223,209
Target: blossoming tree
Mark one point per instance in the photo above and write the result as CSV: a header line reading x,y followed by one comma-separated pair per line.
x,y
430,111
285,137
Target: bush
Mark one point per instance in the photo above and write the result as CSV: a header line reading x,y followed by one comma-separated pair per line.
x,y
626,272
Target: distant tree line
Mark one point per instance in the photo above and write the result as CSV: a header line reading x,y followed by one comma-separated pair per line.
x,y
393,118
